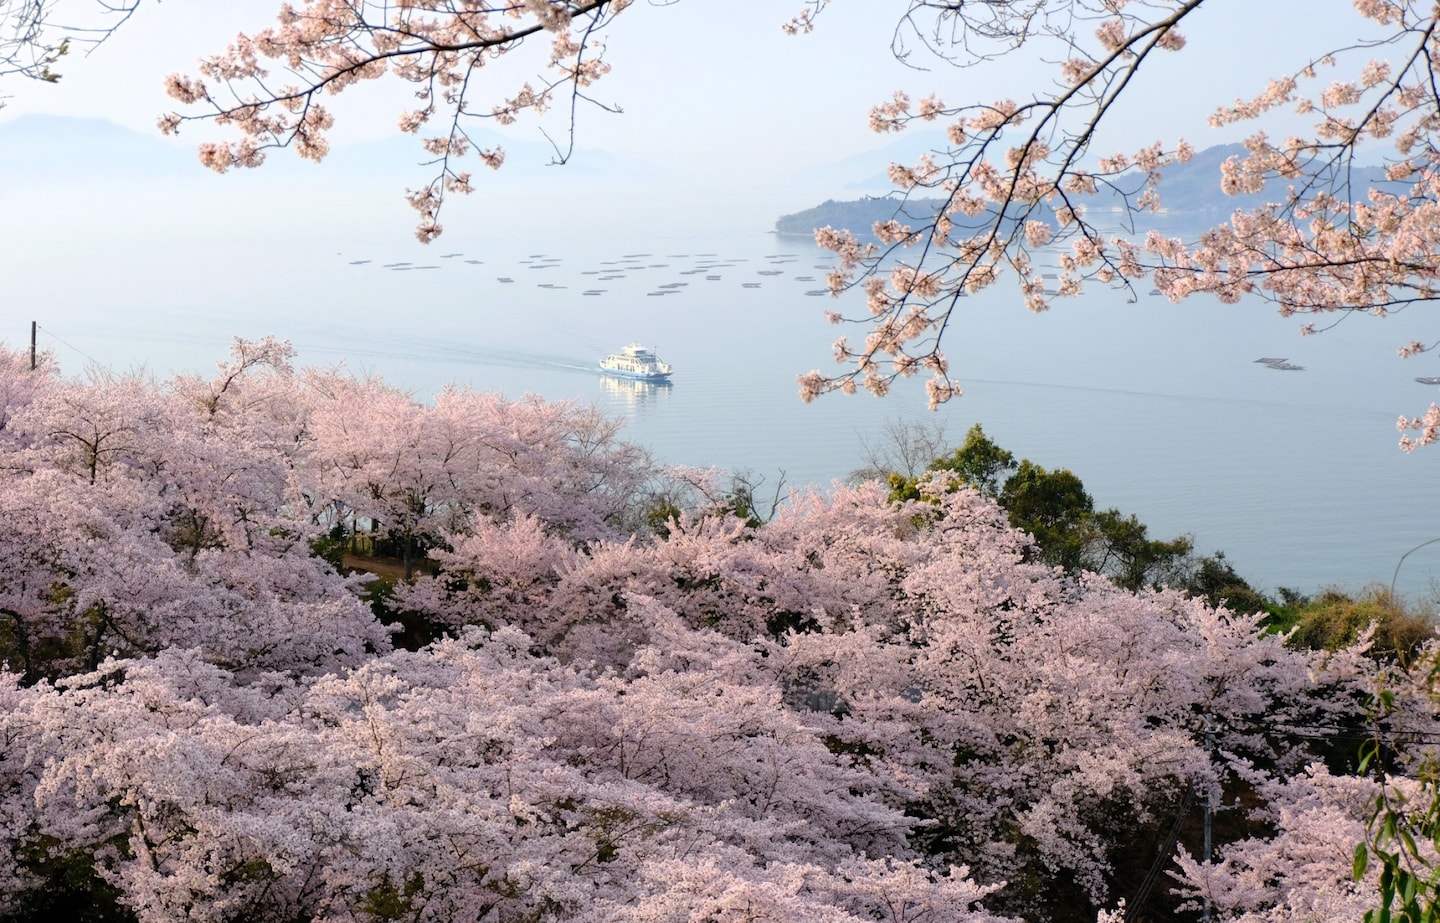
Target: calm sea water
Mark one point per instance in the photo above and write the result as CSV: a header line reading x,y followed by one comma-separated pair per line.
x,y
1159,408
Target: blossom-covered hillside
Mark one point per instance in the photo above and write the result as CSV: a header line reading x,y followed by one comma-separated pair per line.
x,y
615,699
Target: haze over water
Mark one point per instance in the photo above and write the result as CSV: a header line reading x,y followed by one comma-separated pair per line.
x,y
1159,408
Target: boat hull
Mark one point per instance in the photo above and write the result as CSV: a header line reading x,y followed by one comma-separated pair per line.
x,y
637,376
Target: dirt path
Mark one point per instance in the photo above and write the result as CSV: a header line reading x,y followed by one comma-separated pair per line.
x,y
384,567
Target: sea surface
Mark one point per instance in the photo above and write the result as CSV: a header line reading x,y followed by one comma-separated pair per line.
x,y
1161,409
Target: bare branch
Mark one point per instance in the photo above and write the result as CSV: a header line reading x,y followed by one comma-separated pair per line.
x,y
34,36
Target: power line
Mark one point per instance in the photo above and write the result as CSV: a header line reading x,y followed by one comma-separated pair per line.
x,y
51,335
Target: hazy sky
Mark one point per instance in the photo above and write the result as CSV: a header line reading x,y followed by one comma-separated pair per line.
x,y
716,85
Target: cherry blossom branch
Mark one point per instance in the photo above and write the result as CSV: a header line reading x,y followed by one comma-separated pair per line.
x,y
1337,239
32,41
1026,204
328,46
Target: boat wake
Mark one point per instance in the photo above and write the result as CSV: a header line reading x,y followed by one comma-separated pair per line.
x,y
446,352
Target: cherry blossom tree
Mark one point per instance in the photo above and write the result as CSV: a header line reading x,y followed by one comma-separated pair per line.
x,y
469,779
138,516
1028,717
19,384
560,461
91,427
867,707
145,514
237,445
1306,870
387,465
1032,692
425,473
1341,845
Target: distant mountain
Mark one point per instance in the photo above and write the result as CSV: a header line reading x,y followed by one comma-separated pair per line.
x,y
859,215
44,145
1193,187
1186,189
869,172
395,154
49,144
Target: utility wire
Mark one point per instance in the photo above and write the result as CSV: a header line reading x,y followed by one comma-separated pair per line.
x,y
1164,852
51,335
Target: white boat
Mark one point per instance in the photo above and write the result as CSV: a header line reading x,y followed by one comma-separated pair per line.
x,y
636,361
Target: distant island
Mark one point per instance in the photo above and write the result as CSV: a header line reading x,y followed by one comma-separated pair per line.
x,y
1190,189
859,215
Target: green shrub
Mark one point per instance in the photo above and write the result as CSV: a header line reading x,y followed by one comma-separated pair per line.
x,y
1335,619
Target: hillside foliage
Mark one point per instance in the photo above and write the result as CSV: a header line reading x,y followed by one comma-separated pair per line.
x,y
869,707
